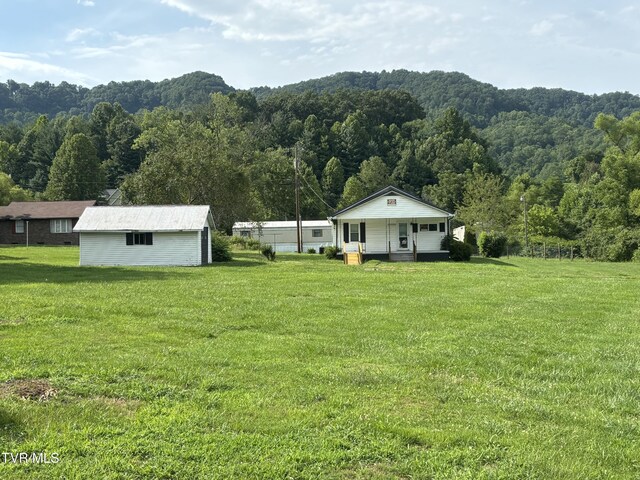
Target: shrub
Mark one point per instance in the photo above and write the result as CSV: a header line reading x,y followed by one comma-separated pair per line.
x,y
491,244
458,251
237,241
220,248
611,244
636,256
331,252
311,250
267,251
253,244
245,243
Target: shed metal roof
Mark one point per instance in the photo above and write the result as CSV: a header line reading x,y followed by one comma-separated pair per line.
x,y
44,210
152,218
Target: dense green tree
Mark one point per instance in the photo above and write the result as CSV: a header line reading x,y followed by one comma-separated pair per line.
x,y
483,208
76,173
10,192
190,163
333,181
354,190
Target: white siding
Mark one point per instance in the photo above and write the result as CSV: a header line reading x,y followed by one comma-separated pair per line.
x,y
404,208
379,232
285,239
169,248
376,236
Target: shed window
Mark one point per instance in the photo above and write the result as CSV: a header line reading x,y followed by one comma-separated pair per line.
x,y
18,226
354,232
245,233
316,233
61,225
433,227
140,238
442,227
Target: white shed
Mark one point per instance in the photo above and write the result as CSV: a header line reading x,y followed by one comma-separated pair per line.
x,y
145,235
282,236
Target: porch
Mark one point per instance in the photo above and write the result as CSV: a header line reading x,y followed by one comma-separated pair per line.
x,y
395,240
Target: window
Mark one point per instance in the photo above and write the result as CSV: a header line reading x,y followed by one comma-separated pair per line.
x,y
354,232
316,233
442,227
429,227
61,225
245,233
139,238
18,226
391,202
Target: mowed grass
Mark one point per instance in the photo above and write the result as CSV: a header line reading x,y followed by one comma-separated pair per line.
x,y
307,368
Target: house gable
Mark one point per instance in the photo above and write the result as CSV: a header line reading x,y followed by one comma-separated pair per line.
x,y
391,203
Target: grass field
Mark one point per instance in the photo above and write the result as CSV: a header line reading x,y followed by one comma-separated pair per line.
x,y
306,368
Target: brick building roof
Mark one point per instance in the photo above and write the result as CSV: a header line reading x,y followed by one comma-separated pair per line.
x,y
44,210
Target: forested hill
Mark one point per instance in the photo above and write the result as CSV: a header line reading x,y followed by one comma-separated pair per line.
x,y
478,102
435,91
23,103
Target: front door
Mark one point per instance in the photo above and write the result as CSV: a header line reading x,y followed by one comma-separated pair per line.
x,y
403,236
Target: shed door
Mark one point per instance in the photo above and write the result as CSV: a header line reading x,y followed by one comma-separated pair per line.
x,y
204,246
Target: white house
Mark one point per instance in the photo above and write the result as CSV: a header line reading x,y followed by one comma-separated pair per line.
x,y
282,236
392,225
145,235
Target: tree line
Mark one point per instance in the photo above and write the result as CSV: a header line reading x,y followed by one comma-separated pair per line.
x,y
235,153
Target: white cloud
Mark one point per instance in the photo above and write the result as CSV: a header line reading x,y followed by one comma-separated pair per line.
x,y
87,3
12,64
541,28
78,33
312,20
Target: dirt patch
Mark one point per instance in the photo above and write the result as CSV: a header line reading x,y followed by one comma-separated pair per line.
x,y
124,405
28,389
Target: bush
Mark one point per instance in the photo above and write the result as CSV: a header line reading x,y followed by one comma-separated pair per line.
x,y
267,251
220,248
253,244
458,251
311,250
331,252
611,244
245,243
491,244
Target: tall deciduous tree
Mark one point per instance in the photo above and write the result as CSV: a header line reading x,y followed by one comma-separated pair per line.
x,y
76,173
483,207
190,163
333,181
10,192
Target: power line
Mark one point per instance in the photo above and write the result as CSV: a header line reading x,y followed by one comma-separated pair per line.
x,y
316,193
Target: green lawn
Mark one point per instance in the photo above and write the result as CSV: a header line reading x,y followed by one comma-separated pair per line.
x,y
307,368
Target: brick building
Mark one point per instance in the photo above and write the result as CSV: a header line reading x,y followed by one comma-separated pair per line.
x,y
41,223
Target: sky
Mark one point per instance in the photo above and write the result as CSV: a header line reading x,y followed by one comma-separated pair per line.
x,y
584,45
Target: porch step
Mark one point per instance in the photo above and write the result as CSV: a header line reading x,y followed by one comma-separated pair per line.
x,y
401,257
353,258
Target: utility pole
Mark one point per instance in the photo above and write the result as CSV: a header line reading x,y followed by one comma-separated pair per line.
x,y
296,165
